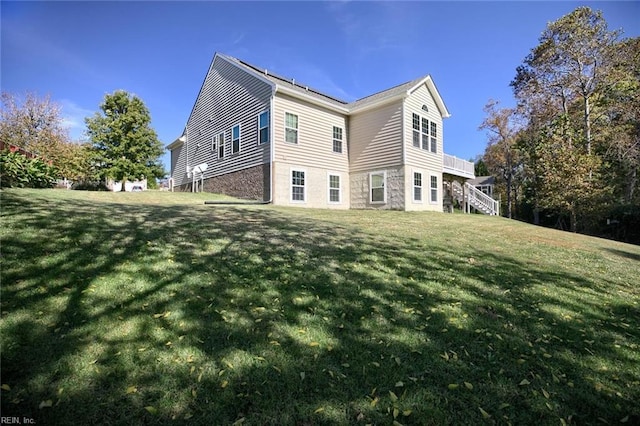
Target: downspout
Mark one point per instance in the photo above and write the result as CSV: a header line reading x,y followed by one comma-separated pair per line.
x,y
272,143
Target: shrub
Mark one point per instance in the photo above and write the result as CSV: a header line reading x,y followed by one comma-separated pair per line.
x,y
17,170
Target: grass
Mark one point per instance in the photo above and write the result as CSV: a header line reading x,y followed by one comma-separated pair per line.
x,y
152,308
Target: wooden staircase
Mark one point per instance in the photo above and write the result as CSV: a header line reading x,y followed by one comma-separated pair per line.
x,y
470,196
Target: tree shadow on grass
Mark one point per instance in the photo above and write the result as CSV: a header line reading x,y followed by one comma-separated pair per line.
x,y
214,315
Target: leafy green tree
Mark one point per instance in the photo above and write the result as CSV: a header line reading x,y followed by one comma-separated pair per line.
x,y
125,145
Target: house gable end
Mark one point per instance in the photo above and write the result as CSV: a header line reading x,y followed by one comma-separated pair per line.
x,y
433,91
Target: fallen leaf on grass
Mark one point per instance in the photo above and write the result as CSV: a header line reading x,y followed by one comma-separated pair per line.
x,y
151,409
468,385
132,389
484,413
6,387
453,386
46,404
393,396
224,384
524,382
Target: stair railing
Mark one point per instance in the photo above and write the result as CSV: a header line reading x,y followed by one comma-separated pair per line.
x,y
481,201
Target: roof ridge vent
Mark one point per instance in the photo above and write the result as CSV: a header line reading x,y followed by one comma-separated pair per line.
x,y
293,81
266,72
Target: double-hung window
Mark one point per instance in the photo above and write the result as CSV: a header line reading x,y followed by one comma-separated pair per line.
x,y
417,186
235,139
221,145
214,145
416,130
263,128
377,193
298,185
434,137
337,139
434,189
290,127
334,189
425,133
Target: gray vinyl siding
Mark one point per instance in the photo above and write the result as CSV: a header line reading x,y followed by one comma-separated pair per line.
x,y
376,138
178,164
315,135
229,96
419,157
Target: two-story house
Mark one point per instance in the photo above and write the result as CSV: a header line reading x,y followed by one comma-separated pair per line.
x,y
253,134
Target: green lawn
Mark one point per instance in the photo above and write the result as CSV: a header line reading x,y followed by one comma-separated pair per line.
x,y
152,308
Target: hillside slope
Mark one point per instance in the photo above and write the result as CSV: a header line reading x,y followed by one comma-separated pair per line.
x,y
150,308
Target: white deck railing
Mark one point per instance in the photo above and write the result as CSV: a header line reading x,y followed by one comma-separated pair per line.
x,y
458,167
481,201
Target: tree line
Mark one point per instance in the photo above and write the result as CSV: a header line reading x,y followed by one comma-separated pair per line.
x,y
568,154
121,143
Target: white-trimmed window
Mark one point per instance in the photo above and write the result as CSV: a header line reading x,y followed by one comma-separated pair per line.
x,y
434,188
214,145
337,139
417,187
263,128
335,195
434,136
298,186
235,139
377,183
416,130
425,133
290,127
221,145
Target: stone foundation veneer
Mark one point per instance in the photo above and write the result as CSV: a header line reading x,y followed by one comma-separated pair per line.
x,y
252,183
394,189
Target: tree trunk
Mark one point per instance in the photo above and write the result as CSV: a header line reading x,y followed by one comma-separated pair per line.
x,y
509,183
573,218
587,124
632,178
124,185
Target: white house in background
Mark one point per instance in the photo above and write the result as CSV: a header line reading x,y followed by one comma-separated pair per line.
x,y
139,185
269,138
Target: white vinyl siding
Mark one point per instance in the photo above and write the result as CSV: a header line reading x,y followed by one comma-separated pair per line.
x,y
298,186
290,128
428,156
315,136
377,187
375,138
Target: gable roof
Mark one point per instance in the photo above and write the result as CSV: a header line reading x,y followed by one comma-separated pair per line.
x,y
291,87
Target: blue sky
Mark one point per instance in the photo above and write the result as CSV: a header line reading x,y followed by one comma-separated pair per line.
x,y
76,52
